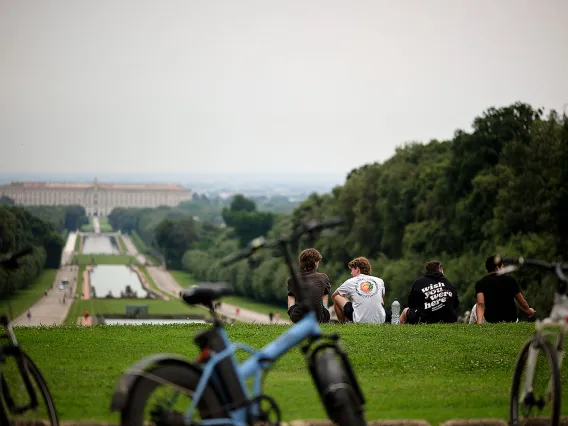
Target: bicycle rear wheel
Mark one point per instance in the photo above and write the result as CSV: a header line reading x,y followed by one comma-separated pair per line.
x,y
170,404
13,392
540,397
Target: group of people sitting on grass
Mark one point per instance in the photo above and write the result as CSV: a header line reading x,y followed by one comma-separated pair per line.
x,y
432,298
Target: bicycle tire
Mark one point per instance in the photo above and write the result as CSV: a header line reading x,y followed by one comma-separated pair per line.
x,y
179,375
551,358
37,377
337,394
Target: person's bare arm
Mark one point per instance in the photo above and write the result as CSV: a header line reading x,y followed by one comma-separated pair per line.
x,y
325,299
480,308
524,305
291,301
335,293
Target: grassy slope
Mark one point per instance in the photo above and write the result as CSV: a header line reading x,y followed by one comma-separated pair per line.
x,y
435,372
75,310
23,299
118,306
105,226
185,279
121,244
143,249
78,244
253,305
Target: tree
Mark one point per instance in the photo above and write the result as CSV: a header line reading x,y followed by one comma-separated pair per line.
x,y
6,201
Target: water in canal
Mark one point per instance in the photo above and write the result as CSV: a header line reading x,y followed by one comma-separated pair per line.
x,y
98,244
114,280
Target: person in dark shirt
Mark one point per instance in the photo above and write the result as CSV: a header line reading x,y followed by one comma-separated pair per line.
x,y
315,290
432,299
496,295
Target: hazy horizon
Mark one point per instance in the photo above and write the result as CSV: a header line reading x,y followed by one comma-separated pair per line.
x,y
283,88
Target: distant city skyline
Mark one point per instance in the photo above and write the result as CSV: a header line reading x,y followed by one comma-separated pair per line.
x,y
285,87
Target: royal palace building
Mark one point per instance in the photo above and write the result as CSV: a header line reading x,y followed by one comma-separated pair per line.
x,y
98,198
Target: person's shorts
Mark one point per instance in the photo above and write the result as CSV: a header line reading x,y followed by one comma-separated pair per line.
x,y
412,316
348,311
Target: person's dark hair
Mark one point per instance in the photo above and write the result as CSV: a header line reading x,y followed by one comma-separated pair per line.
x,y
493,262
362,263
433,266
308,259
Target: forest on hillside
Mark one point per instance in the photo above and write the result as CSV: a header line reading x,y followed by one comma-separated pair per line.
x,y
41,228
501,188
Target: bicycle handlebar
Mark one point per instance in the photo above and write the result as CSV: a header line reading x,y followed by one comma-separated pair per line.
x,y
520,262
12,261
308,227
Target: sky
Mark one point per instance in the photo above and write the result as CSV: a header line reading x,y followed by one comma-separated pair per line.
x,y
262,87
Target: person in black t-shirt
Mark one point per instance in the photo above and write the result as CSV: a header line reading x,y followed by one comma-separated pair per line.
x,y
496,295
433,298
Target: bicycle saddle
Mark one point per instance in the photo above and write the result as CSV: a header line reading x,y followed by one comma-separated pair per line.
x,y
205,293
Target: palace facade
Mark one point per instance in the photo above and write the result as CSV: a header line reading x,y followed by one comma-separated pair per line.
x,y
97,198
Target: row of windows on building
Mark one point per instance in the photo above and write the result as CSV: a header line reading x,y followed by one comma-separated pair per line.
x,y
103,198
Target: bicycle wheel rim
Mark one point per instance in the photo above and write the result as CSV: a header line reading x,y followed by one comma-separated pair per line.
x,y
40,387
545,347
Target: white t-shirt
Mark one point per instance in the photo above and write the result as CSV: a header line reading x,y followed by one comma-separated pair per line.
x,y
366,293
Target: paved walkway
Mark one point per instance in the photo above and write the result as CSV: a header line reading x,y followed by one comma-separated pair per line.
x,y
50,309
168,284
69,249
96,225
131,249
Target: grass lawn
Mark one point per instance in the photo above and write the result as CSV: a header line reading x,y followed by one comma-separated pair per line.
x,y
431,372
183,278
105,226
121,244
87,228
118,306
104,259
78,244
75,309
23,299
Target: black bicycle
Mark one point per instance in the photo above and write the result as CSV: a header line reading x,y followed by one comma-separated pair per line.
x,y
537,389
24,395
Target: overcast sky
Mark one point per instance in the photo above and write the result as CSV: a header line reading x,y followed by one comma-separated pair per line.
x,y
262,86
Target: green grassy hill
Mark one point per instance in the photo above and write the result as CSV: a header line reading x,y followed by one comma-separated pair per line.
x,y
436,372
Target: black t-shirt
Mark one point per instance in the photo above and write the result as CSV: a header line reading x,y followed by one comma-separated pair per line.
x,y
316,286
499,293
435,298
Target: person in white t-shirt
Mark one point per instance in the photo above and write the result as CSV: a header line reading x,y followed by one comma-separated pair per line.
x,y
360,299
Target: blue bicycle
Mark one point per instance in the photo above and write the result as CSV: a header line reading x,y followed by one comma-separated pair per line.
x,y
213,390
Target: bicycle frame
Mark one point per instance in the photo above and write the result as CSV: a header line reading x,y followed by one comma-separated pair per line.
x,y
532,355
13,349
259,361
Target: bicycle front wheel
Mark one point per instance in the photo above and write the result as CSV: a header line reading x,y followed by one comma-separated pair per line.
x,y
162,395
536,388
14,395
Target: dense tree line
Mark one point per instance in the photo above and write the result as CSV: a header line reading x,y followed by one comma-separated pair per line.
x,y
63,218
20,229
501,188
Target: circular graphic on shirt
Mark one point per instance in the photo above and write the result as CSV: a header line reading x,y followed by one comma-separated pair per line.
x,y
366,287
